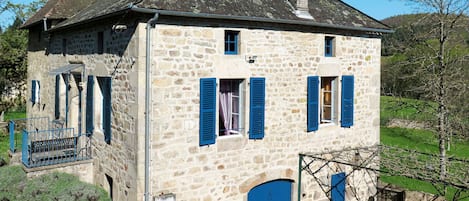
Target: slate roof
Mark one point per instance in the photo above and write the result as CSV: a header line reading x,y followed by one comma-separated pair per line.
x,y
325,13
57,9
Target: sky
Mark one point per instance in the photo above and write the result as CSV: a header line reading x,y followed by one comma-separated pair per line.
x,y
382,9
378,9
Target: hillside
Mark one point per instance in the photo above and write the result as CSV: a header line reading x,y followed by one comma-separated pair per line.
x,y
410,67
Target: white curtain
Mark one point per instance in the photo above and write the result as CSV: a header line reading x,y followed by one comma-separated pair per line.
x,y
226,107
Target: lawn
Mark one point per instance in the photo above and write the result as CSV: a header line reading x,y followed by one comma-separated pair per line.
x,y
54,186
404,108
420,140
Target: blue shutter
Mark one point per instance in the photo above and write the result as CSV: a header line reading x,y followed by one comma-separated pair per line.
x,y
89,106
106,89
347,101
257,108
67,93
57,96
33,91
207,119
313,104
338,187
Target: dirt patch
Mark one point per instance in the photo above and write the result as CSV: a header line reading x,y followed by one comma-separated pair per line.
x,y
403,123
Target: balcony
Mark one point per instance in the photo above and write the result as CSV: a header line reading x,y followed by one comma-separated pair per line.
x,y
43,142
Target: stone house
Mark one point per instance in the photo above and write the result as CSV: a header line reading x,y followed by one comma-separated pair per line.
x,y
207,100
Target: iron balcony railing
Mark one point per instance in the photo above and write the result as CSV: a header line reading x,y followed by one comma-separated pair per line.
x,y
55,146
16,126
43,142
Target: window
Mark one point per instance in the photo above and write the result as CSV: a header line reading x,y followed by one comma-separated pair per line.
x,y
329,46
89,106
64,47
62,87
231,107
323,101
105,99
231,42
100,42
328,98
35,87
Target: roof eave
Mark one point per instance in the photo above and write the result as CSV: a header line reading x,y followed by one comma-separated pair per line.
x,y
134,8
256,19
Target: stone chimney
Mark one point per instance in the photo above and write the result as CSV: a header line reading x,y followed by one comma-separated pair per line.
x,y
302,5
302,9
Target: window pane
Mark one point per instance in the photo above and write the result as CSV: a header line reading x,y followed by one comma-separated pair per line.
x,y
327,113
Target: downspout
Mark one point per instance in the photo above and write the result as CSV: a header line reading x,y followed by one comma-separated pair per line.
x,y
150,24
44,21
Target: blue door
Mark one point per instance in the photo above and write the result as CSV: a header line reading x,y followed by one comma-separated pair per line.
x,y
278,190
338,187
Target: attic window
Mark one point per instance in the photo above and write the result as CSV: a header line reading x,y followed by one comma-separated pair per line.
x,y
64,46
329,48
231,42
100,42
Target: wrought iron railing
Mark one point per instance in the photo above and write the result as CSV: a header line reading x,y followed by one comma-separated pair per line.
x,y
16,126
54,146
44,142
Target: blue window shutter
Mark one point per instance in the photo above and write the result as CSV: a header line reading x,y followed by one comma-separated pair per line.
x,y
257,108
338,187
33,91
347,101
313,104
207,119
57,96
106,89
89,106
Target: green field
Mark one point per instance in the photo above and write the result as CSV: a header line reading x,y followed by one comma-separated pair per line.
x,y
415,139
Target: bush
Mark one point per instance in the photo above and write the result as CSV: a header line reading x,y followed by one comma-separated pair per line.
x,y
54,186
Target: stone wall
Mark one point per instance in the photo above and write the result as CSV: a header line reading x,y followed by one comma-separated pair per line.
x,y
181,55
82,169
228,169
119,61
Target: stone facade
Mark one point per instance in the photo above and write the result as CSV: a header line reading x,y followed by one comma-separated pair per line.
x,y
228,169
181,55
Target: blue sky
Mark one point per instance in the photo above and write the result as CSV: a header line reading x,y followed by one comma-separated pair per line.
x,y
381,9
378,9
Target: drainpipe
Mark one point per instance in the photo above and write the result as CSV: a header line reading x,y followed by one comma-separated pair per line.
x,y
150,24
44,22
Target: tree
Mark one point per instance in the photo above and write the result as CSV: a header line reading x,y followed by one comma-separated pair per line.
x,y
13,51
439,63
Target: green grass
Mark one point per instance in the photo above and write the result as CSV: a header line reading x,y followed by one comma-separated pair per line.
x,y
14,115
421,140
4,147
422,186
54,186
404,108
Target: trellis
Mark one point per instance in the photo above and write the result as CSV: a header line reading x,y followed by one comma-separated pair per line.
x,y
364,165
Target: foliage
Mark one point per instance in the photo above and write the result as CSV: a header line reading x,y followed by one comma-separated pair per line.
x,y
406,108
421,140
13,54
54,186
4,147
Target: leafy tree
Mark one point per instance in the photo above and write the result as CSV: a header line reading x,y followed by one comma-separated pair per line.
x,y
13,52
428,54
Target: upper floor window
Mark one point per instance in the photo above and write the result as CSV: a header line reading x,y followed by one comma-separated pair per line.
x,y
100,42
231,112
323,101
329,46
231,42
231,99
64,47
328,98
